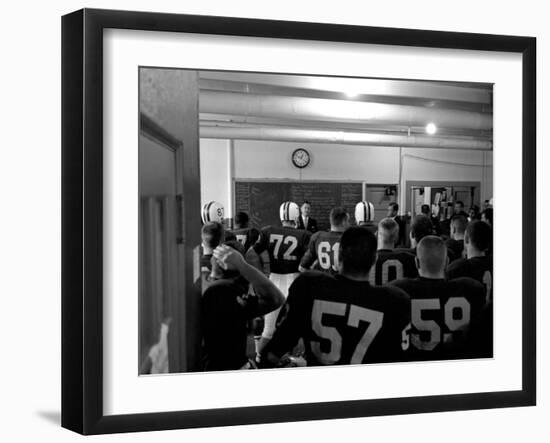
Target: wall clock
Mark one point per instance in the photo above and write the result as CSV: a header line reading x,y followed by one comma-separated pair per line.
x,y
301,158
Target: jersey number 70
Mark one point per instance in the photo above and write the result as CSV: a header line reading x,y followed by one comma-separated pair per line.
x,y
355,316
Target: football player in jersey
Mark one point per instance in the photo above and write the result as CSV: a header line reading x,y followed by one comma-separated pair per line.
x,y
364,216
455,244
391,264
213,211
246,235
421,226
226,308
441,310
342,319
477,264
212,235
285,246
324,246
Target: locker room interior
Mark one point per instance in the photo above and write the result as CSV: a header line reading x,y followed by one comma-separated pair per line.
x,y
201,132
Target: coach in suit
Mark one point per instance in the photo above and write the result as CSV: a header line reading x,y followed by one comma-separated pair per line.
x,y
393,209
305,221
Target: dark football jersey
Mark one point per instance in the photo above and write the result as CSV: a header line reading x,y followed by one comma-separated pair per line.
x,y
441,313
246,236
225,311
392,265
286,247
372,227
478,268
323,248
341,321
454,249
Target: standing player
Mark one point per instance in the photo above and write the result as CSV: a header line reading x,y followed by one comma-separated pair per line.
x,y
455,244
244,234
364,216
342,319
285,246
478,264
324,246
421,227
393,211
441,310
391,264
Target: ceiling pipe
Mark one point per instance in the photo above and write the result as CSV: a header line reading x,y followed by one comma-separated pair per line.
x,y
338,110
342,137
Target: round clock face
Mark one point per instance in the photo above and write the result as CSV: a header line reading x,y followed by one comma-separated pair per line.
x,y
300,158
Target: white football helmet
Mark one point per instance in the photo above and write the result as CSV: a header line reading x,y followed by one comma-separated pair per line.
x,y
212,212
364,212
289,211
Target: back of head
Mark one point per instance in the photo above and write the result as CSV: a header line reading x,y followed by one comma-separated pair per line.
x,y
458,224
338,217
478,235
364,212
357,251
241,220
432,255
421,227
388,231
217,271
393,207
212,234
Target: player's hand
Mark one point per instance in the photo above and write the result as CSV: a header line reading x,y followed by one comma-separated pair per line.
x,y
228,258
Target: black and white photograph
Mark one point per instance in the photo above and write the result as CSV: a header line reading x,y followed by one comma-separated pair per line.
x,y
341,221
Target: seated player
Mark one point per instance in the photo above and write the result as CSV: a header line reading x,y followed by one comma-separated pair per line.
x,y
213,211
226,309
364,216
391,264
455,244
324,246
441,309
285,246
246,235
477,264
342,319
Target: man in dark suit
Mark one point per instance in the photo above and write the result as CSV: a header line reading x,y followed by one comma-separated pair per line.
x,y
393,209
305,221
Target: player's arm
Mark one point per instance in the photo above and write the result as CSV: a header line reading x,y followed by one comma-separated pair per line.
x,y
310,255
260,250
290,325
269,296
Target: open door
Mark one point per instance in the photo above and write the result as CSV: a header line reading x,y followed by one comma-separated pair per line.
x,y
169,223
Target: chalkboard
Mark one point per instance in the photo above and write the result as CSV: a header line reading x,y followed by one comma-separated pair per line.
x,y
261,200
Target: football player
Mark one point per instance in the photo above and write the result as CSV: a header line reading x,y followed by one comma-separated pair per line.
x,y
226,309
477,264
364,216
324,246
342,319
285,246
441,309
455,244
391,264
421,226
213,211
246,235
212,235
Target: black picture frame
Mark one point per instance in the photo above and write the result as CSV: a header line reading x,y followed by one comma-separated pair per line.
x,y
82,220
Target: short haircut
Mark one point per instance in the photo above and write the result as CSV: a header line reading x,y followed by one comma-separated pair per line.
x,y
421,227
425,209
459,202
306,203
357,250
479,234
459,223
488,213
389,229
241,219
223,273
394,206
338,216
212,234
432,254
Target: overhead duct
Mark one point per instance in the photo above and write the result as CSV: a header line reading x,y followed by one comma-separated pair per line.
x,y
320,109
341,137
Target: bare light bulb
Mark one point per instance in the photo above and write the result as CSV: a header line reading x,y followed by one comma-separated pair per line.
x,y
431,128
